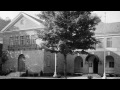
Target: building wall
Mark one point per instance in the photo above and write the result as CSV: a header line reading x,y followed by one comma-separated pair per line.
x,y
48,62
34,56
38,59
116,42
50,58
85,68
71,59
33,60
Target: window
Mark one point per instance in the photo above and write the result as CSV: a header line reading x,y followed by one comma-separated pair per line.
x,y
27,40
21,40
111,64
100,44
32,39
16,40
109,42
11,41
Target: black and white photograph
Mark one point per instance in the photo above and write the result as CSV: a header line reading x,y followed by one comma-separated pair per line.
x,y
59,44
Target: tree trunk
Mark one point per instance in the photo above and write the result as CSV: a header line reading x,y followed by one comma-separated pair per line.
x,y
65,66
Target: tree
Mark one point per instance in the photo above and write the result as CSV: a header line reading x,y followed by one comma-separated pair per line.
x,y
3,58
3,23
67,31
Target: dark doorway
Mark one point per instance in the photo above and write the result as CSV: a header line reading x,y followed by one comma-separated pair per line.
x,y
95,65
78,64
21,63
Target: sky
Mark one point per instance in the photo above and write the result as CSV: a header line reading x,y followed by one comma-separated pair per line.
x,y
111,16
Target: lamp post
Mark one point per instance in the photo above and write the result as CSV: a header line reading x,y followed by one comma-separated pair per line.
x,y
39,43
104,74
55,72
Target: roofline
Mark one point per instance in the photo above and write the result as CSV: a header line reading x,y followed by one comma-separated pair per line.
x,y
17,17
103,35
11,22
23,30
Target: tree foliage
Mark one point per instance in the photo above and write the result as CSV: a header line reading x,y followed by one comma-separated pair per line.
x,y
3,23
4,57
69,30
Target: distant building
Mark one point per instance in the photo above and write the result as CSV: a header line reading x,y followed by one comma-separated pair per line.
x,y
24,54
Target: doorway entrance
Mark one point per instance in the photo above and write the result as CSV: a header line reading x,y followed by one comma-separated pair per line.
x,y
21,63
93,63
95,66
78,64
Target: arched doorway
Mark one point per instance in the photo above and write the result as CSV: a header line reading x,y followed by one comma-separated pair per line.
x,y
109,64
93,61
21,63
78,64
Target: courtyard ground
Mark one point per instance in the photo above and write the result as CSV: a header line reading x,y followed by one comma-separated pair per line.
x,y
16,75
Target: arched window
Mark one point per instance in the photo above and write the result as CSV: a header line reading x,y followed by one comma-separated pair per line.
x,y
110,61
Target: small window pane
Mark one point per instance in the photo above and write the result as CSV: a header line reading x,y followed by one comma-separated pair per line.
x,y
109,42
27,40
111,64
11,41
21,40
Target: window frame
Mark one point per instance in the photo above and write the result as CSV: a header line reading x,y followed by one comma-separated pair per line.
x,y
111,64
27,39
22,40
11,41
109,42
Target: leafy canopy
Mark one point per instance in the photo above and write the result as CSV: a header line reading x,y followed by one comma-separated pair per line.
x,y
67,31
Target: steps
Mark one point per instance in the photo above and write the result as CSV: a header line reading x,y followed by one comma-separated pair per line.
x,y
15,74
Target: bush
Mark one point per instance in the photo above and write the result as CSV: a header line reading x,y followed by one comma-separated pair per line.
x,y
90,77
4,57
3,73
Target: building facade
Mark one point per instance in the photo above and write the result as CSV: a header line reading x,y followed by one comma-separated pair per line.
x,y
19,41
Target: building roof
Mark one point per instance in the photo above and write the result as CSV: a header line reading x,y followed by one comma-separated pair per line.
x,y
101,28
40,21
108,28
35,20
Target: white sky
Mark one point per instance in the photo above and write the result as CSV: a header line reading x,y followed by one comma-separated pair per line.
x,y
111,16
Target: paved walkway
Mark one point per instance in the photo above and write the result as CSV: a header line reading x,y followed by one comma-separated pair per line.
x,y
95,76
16,75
